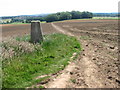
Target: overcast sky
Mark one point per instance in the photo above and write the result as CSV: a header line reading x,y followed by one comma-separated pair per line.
x,y
28,7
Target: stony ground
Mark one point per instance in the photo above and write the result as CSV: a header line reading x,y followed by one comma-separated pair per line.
x,y
98,65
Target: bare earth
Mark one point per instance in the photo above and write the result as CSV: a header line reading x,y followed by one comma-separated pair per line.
x,y
12,30
98,65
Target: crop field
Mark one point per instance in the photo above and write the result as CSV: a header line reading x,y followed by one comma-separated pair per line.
x,y
98,64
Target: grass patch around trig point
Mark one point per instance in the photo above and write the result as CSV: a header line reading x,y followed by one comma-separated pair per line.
x,y
50,57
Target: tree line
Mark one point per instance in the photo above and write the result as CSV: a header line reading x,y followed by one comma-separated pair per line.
x,y
67,16
59,16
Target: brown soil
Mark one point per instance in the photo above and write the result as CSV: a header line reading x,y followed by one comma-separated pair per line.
x,y
98,64
12,30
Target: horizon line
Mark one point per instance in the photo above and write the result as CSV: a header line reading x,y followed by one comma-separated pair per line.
x,y
48,13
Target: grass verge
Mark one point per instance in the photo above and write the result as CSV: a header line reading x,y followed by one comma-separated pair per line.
x,y
114,18
71,20
50,57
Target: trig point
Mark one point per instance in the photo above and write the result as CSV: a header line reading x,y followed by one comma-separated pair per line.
x,y
36,33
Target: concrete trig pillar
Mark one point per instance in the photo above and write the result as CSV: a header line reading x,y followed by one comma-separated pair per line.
x,y
36,32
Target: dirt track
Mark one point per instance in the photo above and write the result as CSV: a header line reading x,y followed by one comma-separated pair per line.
x,y
98,64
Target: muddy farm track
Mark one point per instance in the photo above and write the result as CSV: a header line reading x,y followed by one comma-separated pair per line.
x,y
97,66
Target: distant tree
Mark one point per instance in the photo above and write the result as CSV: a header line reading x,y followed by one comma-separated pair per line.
x,y
7,22
76,14
51,18
118,15
11,21
23,21
28,20
65,16
42,18
86,15
58,13
16,20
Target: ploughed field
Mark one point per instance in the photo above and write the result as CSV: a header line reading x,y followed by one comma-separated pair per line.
x,y
84,26
10,30
105,30
98,65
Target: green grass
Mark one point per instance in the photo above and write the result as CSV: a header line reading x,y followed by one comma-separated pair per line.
x,y
73,80
71,20
23,23
106,18
52,56
25,38
43,22
18,23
